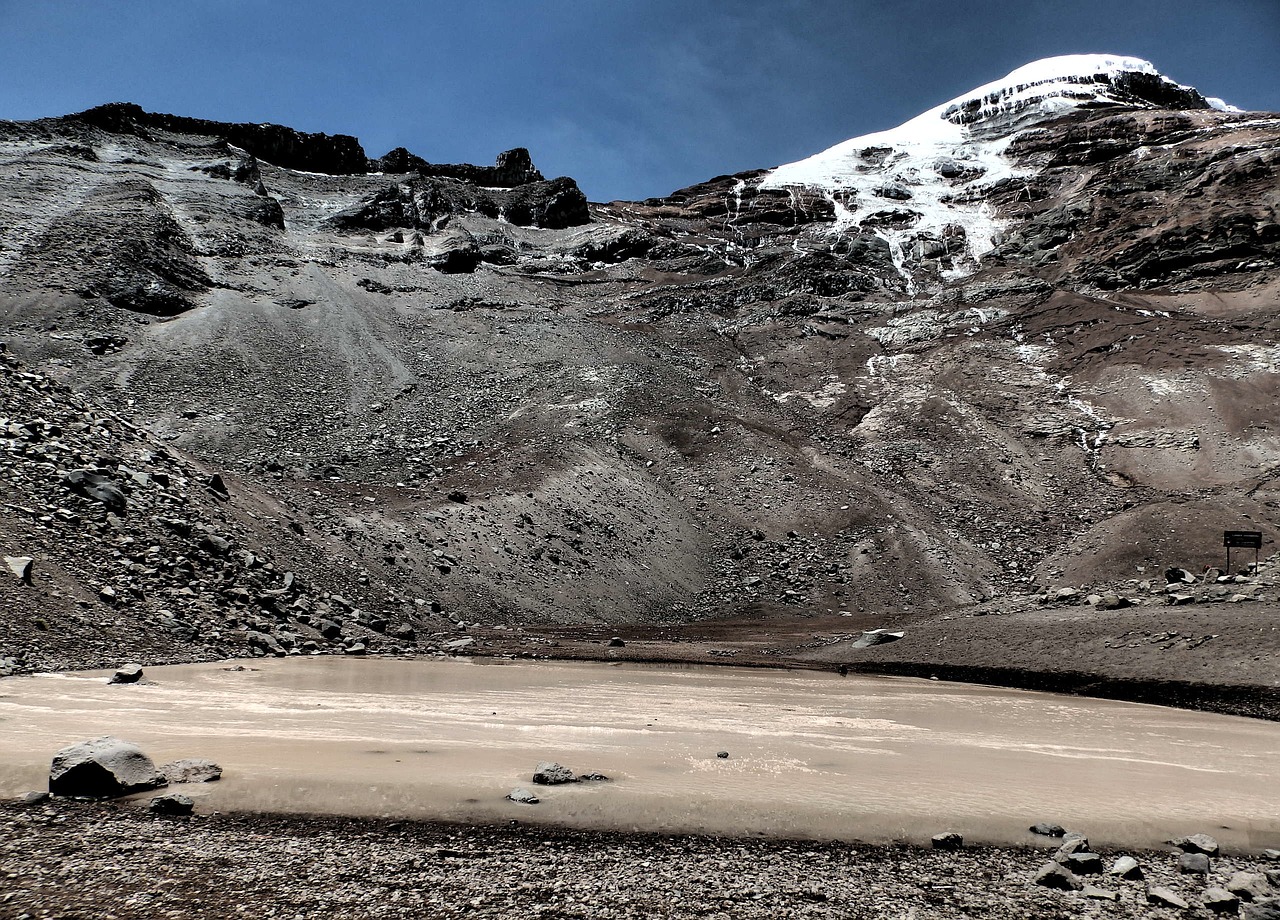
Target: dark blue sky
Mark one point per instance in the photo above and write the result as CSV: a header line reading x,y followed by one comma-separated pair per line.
x,y
631,98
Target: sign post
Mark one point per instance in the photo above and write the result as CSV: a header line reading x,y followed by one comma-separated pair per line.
x,y
1249,539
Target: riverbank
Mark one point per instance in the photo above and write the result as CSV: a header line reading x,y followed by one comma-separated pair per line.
x,y
1222,658
70,858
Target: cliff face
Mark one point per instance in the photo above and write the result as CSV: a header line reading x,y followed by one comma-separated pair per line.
x,y
900,377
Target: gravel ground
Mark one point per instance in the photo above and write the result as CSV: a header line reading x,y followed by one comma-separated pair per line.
x,y
71,859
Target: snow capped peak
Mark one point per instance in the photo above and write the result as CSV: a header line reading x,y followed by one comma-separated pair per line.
x,y
918,184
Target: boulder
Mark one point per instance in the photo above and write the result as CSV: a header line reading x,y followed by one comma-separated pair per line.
x,y
946,841
1249,886
172,803
552,774
1048,830
192,770
103,768
616,642
1084,863
1099,894
1196,843
1193,864
1072,843
126,674
97,487
1220,901
1055,875
1165,898
1268,909
522,796
32,798
1127,867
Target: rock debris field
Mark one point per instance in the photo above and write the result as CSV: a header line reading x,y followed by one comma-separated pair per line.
x,y
70,859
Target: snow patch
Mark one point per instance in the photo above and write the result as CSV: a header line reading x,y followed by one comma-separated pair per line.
x,y
920,185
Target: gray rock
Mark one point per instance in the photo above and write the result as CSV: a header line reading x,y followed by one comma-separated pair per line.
x,y
946,841
593,777
522,796
1127,867
552,774
172,803
616,642
97,487
1099,894
1084,863
1220,901
1165,898
1048,830
1249,886
1271,854
1193,864
1196,843
1072,843
1268,909
192,770
126,674
32,798
723,755
102,768
1056,875
20,566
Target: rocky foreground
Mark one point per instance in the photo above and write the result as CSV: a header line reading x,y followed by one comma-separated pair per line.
x,y
73,859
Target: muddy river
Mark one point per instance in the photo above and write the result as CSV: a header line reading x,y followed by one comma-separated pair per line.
x,y
810,755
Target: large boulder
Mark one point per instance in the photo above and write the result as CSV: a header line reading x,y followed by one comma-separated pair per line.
x,y
103,768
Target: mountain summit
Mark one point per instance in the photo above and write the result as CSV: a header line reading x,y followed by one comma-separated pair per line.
x,y
932,170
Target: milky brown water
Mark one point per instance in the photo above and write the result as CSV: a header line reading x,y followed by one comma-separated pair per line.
x,y
811,755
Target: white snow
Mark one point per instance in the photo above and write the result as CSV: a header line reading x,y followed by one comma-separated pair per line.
x,y
965,137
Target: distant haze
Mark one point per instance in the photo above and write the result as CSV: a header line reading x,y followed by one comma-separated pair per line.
x,y
632,99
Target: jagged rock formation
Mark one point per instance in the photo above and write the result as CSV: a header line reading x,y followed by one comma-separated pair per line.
x,y
1027,337
336,154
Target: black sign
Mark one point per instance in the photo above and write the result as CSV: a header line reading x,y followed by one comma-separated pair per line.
x,y
1251,539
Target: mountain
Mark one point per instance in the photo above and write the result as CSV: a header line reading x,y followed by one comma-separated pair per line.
x,y
1026,340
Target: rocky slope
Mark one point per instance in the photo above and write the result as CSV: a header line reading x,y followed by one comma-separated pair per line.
x,y
1026,340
